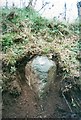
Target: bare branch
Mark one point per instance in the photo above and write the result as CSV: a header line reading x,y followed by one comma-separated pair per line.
x,y
46,3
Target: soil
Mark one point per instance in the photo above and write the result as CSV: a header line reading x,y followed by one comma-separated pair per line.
x,y
28,105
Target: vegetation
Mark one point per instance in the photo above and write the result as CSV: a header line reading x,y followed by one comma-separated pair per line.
x,y
20,27
26,33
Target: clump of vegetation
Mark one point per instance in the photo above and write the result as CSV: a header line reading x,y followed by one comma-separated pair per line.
x,y
25,32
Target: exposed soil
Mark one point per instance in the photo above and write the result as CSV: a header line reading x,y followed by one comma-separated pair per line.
x,y
28,105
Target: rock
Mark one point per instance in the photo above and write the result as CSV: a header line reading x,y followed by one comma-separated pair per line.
x,y
40,74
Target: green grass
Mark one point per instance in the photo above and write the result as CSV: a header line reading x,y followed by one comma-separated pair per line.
x,y
51,29
28,29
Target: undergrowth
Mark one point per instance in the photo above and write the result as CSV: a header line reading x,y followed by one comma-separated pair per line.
x,y
25,32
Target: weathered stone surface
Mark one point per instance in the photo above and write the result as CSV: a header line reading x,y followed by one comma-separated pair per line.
x,y
40,74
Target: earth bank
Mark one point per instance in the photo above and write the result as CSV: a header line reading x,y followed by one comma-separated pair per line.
x,y
25,37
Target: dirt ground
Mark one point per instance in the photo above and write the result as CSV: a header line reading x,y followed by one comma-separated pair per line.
x,y
28,105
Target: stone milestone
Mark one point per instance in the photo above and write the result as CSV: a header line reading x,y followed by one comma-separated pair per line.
x,y
40,73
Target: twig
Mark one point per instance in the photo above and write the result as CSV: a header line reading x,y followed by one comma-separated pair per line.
x,y
67,102
43,6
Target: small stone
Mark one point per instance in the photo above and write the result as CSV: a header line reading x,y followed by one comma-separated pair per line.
x,y
35,104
